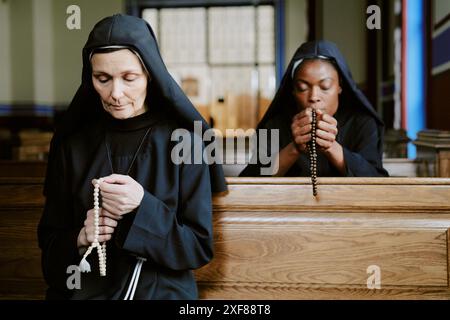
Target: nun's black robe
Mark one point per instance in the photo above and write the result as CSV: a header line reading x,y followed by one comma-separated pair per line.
x,y
360,131
172,227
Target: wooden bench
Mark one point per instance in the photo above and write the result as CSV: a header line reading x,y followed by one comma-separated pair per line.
x,y
274,240
11,168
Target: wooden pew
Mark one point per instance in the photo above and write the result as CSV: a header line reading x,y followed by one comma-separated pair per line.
x,y
274,240
21,204
11,168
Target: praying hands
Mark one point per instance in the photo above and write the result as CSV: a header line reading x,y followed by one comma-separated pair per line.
x,y
326,130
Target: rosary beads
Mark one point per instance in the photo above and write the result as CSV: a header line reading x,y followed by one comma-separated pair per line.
x,y
101,248
313,153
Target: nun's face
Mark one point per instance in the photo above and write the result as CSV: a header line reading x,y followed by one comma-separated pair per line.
x,y
121,82
316,85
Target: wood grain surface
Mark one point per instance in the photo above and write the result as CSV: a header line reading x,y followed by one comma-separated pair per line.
x,y
274,240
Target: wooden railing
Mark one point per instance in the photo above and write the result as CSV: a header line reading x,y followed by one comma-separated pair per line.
x,y
274,240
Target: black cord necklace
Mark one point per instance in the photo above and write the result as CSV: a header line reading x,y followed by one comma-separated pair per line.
x,y
313,153
108,152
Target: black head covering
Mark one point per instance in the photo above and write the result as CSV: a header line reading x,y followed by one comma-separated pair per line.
x,y
284,103
135,33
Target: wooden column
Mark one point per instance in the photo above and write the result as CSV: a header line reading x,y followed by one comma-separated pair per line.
x,y
433,153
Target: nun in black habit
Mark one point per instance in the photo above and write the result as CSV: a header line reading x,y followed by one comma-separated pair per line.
x,y
155,215
349,131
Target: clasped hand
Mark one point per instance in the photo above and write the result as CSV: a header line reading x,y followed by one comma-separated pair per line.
x,y
120,195
326,130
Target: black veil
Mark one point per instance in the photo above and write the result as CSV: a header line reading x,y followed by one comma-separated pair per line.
x,y
283,107
85,108
283,101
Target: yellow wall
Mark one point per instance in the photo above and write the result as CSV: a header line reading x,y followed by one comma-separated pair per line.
x,y
344,22
5,53
69,43
40,58
43,63
296,26
441,9
340,21
22,69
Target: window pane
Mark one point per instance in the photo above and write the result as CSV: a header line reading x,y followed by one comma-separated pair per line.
x,y
195,82
151,16
184,39
234,97
232,34
229,76
267,83
266,34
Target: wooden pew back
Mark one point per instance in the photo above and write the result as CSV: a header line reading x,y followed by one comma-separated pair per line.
x,y
274,240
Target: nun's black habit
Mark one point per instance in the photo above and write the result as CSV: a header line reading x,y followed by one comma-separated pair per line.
x,y
360,130
172,227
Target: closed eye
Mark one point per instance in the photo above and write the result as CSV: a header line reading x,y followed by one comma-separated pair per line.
x,y
301,88
102,79
326,84
130,77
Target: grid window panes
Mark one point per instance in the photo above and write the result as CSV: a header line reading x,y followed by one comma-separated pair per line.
x,y
222,57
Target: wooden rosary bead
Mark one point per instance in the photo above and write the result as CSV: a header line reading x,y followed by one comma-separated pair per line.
x,y
313,153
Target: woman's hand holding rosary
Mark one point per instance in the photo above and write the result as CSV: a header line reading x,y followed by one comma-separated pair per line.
x,y
107,222
313,130
326,134
120,195
326,130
